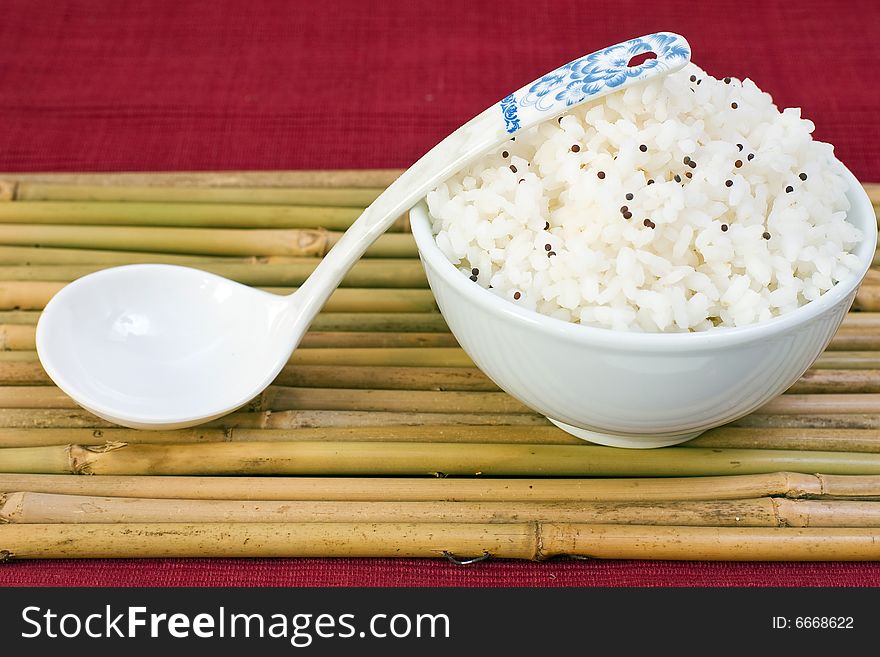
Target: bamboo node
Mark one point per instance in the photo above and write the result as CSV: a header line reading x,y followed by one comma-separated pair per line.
x,y
458,561
80,456
778,517
314,242
8,190
109,446
823,489
539,543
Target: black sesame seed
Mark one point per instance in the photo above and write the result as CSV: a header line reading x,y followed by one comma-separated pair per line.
x,y
738,164
521,180
513,168
693,78
802,176
629,197
688,174
551,253
686,160
474,279
627,215
547,247
723,228
546,225
751,157
643,148
559,120
698,81
726,80
513,139
601,175
505,154
728,183
649,224
575,148
692,164
650,181
766,235
677,178
623,209
516,295
733,106
789,189
475,271
740,147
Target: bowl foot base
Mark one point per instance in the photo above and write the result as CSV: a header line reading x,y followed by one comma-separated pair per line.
x,y
623,440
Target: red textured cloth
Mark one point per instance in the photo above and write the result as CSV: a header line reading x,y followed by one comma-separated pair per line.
x,y
273,84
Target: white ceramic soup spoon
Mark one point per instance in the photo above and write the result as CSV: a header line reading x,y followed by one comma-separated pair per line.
x,y
162,347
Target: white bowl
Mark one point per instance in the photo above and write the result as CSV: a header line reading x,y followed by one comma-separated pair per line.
x,y
638,389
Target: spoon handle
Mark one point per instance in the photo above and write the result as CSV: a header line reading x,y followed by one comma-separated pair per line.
x,y
582,80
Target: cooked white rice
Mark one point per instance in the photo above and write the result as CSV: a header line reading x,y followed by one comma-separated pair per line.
x,y
744,219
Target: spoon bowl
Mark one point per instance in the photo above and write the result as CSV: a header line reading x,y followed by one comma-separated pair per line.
x,y
161,347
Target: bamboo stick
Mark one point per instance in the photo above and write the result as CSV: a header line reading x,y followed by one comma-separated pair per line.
x,y
733,487
374,272
412,459
27,295
37,508
20,338
399,357
844,360
461,379
539,435
797,438
353,197
837,381
249,241
284,398
383,339
861,320
811,421
47,418
795,404
18,356
509,540
24,255
109,215
77,418
847,339
397,378
867,298
16,336
264,539
348,356
384,307
336,329
727,437
424,321
332,178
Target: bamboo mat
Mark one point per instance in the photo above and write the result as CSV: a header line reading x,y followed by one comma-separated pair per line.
x,y
381,438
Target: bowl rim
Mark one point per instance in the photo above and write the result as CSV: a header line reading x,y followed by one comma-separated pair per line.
x,y
861,208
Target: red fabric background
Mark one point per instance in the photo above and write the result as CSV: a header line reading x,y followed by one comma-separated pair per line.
x,y
273,84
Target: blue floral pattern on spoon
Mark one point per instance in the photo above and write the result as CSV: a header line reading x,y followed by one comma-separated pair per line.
x,y
595,74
